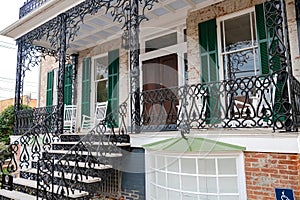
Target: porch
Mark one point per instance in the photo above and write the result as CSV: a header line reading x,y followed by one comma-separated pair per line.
x,y
79,164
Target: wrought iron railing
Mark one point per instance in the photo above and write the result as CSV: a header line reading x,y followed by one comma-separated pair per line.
x,y
256,101
296,99
29,118
97,148
37,131
29,6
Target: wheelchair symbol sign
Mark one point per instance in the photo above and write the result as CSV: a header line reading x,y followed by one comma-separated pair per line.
x,y
284,194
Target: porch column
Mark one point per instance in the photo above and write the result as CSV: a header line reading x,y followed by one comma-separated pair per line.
x,y
19,77
74,77
19,82
134,67
280,63
62,48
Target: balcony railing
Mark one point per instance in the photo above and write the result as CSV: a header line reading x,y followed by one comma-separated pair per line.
x,y
29,6
257,101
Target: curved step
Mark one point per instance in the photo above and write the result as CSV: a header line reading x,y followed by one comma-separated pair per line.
x,y
16,195
69,176
33,184
85,153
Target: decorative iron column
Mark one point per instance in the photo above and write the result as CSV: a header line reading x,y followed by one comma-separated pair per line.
x,y
19,76
280,62
74,77
134,67
62,48
19,83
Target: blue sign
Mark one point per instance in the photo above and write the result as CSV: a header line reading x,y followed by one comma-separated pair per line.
x,y
284,194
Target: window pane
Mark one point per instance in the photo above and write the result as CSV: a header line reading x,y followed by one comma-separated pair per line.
x,y
161,179
228,185
161,42
189,183
208,184
188,165
160,163
173,164
173,181
152,177
207,166
102,87
241,63
173,195
227,166
207,197
186,196
229,197
101,70
237,29
151,161
162,193
152,191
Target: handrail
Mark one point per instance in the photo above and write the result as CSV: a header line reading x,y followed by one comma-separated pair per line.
x,y
256,101
86,144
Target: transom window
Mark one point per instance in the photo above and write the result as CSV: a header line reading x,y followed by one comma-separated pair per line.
x,y
101,78
239,46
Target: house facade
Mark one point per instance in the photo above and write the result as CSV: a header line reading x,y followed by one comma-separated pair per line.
x,y
202,99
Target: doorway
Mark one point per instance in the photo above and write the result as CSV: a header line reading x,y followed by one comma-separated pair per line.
x,y
159,97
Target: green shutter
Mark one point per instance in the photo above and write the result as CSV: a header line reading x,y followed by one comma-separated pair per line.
x,y
68,85
209,70
86,86
262,39
208,51
113,87
49,91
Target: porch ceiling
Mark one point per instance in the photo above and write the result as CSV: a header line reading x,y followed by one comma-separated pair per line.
x,y
100,27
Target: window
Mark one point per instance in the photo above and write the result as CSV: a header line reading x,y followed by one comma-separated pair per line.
x,y
194,177
101,79
161,42
239,46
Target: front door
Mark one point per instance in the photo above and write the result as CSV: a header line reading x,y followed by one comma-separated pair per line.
x,y
160,79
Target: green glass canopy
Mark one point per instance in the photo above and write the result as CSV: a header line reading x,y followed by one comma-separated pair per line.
x,y
192,144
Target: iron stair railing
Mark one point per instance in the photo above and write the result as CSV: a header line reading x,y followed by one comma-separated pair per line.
x,y
94,150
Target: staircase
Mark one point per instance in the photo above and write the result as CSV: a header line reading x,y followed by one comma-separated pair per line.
x,y
71,166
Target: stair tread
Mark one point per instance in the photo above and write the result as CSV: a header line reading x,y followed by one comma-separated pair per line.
x,y
89,179
110,155
83,164
94,143
16,195
33,184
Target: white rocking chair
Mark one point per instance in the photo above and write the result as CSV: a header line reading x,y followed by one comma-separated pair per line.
x,y
70,118
100,114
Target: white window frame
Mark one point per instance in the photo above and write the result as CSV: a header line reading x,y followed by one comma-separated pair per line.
x,y
93,81
240,172
219,38
180,48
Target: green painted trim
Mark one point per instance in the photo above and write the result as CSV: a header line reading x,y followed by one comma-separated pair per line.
x,y
192,145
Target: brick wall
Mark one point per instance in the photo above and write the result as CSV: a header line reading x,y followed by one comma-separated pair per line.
x,y
266,171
